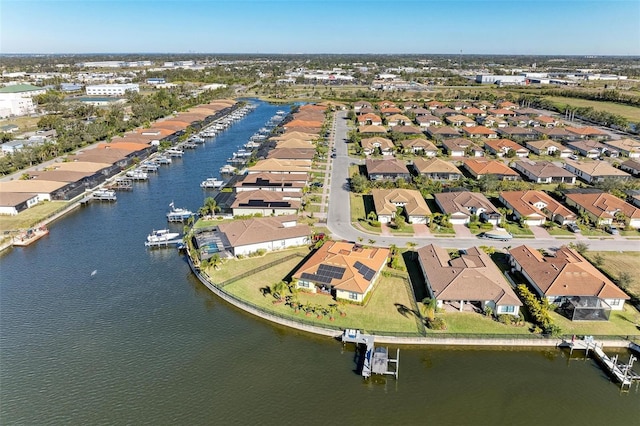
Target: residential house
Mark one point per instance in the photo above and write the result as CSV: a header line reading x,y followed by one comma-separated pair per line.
x,y
548,147
12,203
372,130
474,112
433,105
292,153
387,202
445,112
459,147
428,120
627,147
481,167
591,148
595,171
459,120
544,172
347,271
514,132
406,130
587,133
547,121
554,133
460,206
501,147
508,105
442,132
479,132
390,111
398,120
419,146
369,120
387,169
274,165
371,145
604,209
631,166
244,237
501,112
536,207
420,112
271,182
358,105
265,203
437,169
472,279
567,277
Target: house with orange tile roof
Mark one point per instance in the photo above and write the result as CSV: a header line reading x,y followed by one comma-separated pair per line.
x,y
508,105
547,121
471,279
473,112
372,130
390,111
369,120
274,165
398,120
567,277
433,105
460,120
587,133
595,171
345,270
292,153
479,167
293,124
371,145
501,147
536,207
603,208
479,132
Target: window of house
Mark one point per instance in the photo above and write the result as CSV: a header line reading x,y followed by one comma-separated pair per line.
x,y
615,302
509,309
353,296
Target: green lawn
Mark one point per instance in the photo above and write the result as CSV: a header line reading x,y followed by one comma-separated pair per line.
x,y
627,111
559,231
31,216
312,208
516,230
442,230
474,323
613,263
622,323
357,207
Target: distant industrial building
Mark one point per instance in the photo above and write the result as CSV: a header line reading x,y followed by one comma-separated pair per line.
x,y
111,89
500,79
17,99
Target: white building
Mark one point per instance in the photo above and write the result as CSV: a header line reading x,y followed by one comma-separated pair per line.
x,y
17,99
112,89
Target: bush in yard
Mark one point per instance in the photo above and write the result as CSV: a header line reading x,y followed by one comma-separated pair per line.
x,y
437,323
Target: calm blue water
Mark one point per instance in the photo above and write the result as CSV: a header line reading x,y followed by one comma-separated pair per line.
x,y
142,342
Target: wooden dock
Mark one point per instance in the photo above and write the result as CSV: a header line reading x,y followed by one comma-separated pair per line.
x,y
622,373
375,360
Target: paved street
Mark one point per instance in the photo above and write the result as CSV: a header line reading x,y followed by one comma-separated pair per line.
x,y
339,219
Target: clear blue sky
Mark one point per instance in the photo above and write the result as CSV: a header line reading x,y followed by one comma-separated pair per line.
x,y
561,27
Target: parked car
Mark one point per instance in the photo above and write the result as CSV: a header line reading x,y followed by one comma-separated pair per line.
x,y
611,229
573,228
573,157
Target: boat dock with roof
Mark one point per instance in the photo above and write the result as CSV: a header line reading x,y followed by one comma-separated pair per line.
x,y
375,360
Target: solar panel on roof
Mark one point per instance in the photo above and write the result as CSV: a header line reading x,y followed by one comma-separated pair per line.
x,y
366,272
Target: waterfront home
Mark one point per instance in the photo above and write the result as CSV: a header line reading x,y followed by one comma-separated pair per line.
x,y
631,166
479,132
12,203
271,182
437,169
345,270
627,147
548,147
459,147
274,165
295,135
568,280
387,202
544,172
386,169
604,209
481,167
370,145
419,146
44,190
470,280
292,153
462,205
243,237
536,207
501,147
595,171
265,203
294,143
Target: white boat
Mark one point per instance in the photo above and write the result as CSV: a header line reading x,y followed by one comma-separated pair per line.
x,y
103,194
149,166
228,169
498,234
137,174
211,183
178,214
162,236
174,152
163,159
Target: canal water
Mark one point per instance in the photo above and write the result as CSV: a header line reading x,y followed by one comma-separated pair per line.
x,y
141,341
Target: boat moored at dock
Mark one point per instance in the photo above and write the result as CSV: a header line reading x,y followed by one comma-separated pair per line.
x,y
211,183
104,194
178,214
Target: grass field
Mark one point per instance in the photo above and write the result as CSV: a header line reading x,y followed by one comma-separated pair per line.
x,y
31,216
627,111
388,308
474,323
613,263
26,124
621,323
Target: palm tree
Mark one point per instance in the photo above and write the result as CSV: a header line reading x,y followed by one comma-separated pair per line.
x,y
278,290
215,261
